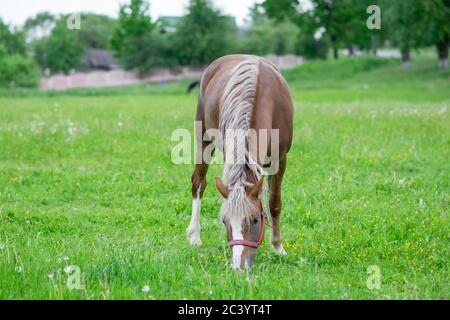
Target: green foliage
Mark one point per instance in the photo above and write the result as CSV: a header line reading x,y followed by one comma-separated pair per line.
x,y
267,36
61,51
136,41
40,25
203,35
96,30
437,20
17,70
311,48
406,22
12,40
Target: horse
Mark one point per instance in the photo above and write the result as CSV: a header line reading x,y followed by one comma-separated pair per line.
x,y
245,93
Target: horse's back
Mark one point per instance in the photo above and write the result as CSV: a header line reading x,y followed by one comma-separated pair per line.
x,y
273,108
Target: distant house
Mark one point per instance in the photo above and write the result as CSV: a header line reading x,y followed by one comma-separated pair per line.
x,y
168,24
97,59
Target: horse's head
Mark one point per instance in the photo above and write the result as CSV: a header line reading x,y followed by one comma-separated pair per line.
x,y
244,219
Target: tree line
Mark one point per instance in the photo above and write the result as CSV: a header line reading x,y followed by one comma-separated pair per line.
x,y
313,29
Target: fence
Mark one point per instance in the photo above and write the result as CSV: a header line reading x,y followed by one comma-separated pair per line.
x,y
120,77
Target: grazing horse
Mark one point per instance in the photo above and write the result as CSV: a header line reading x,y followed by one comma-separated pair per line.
x,y
243,92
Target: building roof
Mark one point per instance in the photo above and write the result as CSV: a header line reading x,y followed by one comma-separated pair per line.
x,y
99,59
170,21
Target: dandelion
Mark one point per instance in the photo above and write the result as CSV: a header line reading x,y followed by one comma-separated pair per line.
x,y
19,269
145,290
51,275
1,246
67,269
120,124
421,203
72,131
66,258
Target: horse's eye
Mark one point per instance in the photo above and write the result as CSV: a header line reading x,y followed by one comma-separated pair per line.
x,y
255,221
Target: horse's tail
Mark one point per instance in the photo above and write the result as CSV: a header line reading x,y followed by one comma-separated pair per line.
x,y
192,86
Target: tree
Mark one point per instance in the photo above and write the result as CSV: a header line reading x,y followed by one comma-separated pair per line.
x,y
136,41
203,35
12,40
17,71
39,26
267,36
61,51
406,24
341,22
437,18
15,68
329,18
96,30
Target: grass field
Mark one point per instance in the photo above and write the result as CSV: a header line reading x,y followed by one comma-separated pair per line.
x,y
86,179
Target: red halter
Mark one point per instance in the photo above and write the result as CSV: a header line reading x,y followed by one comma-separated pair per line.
x,y
253,244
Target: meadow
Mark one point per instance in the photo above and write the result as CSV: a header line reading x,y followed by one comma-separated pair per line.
x,y
86,180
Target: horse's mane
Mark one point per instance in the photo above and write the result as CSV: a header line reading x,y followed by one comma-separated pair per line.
x,y
235,113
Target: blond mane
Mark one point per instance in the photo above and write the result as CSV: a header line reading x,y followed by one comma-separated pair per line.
x,y
235,113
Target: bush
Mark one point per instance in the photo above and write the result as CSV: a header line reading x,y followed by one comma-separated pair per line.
x,y
18,71
311,48
61,51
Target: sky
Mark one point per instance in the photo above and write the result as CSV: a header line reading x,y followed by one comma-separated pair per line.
x,y
17,11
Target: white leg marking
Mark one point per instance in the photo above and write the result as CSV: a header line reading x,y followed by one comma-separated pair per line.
x,y
279,250
236,231
193,231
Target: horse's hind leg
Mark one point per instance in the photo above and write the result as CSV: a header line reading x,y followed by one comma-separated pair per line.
x,y
198,187
275,182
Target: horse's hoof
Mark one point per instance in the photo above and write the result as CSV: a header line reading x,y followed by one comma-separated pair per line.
x,y
193,237
280,250
195,241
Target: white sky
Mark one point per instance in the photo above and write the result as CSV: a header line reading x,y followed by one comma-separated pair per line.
x,y
17,11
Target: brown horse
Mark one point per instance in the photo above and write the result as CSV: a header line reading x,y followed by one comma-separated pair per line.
x,y
246,94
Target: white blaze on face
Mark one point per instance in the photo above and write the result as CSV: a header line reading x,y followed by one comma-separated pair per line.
x,y
236,232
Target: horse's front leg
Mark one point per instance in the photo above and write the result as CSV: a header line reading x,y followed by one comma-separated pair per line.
x,y
275,182
198,187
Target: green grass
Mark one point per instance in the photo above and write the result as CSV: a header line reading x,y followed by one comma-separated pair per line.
x,y
86,179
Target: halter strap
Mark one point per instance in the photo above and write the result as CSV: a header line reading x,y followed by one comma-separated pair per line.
x,y
253,244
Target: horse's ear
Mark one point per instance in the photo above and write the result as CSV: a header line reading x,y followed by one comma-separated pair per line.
x,y
255,190
222,188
